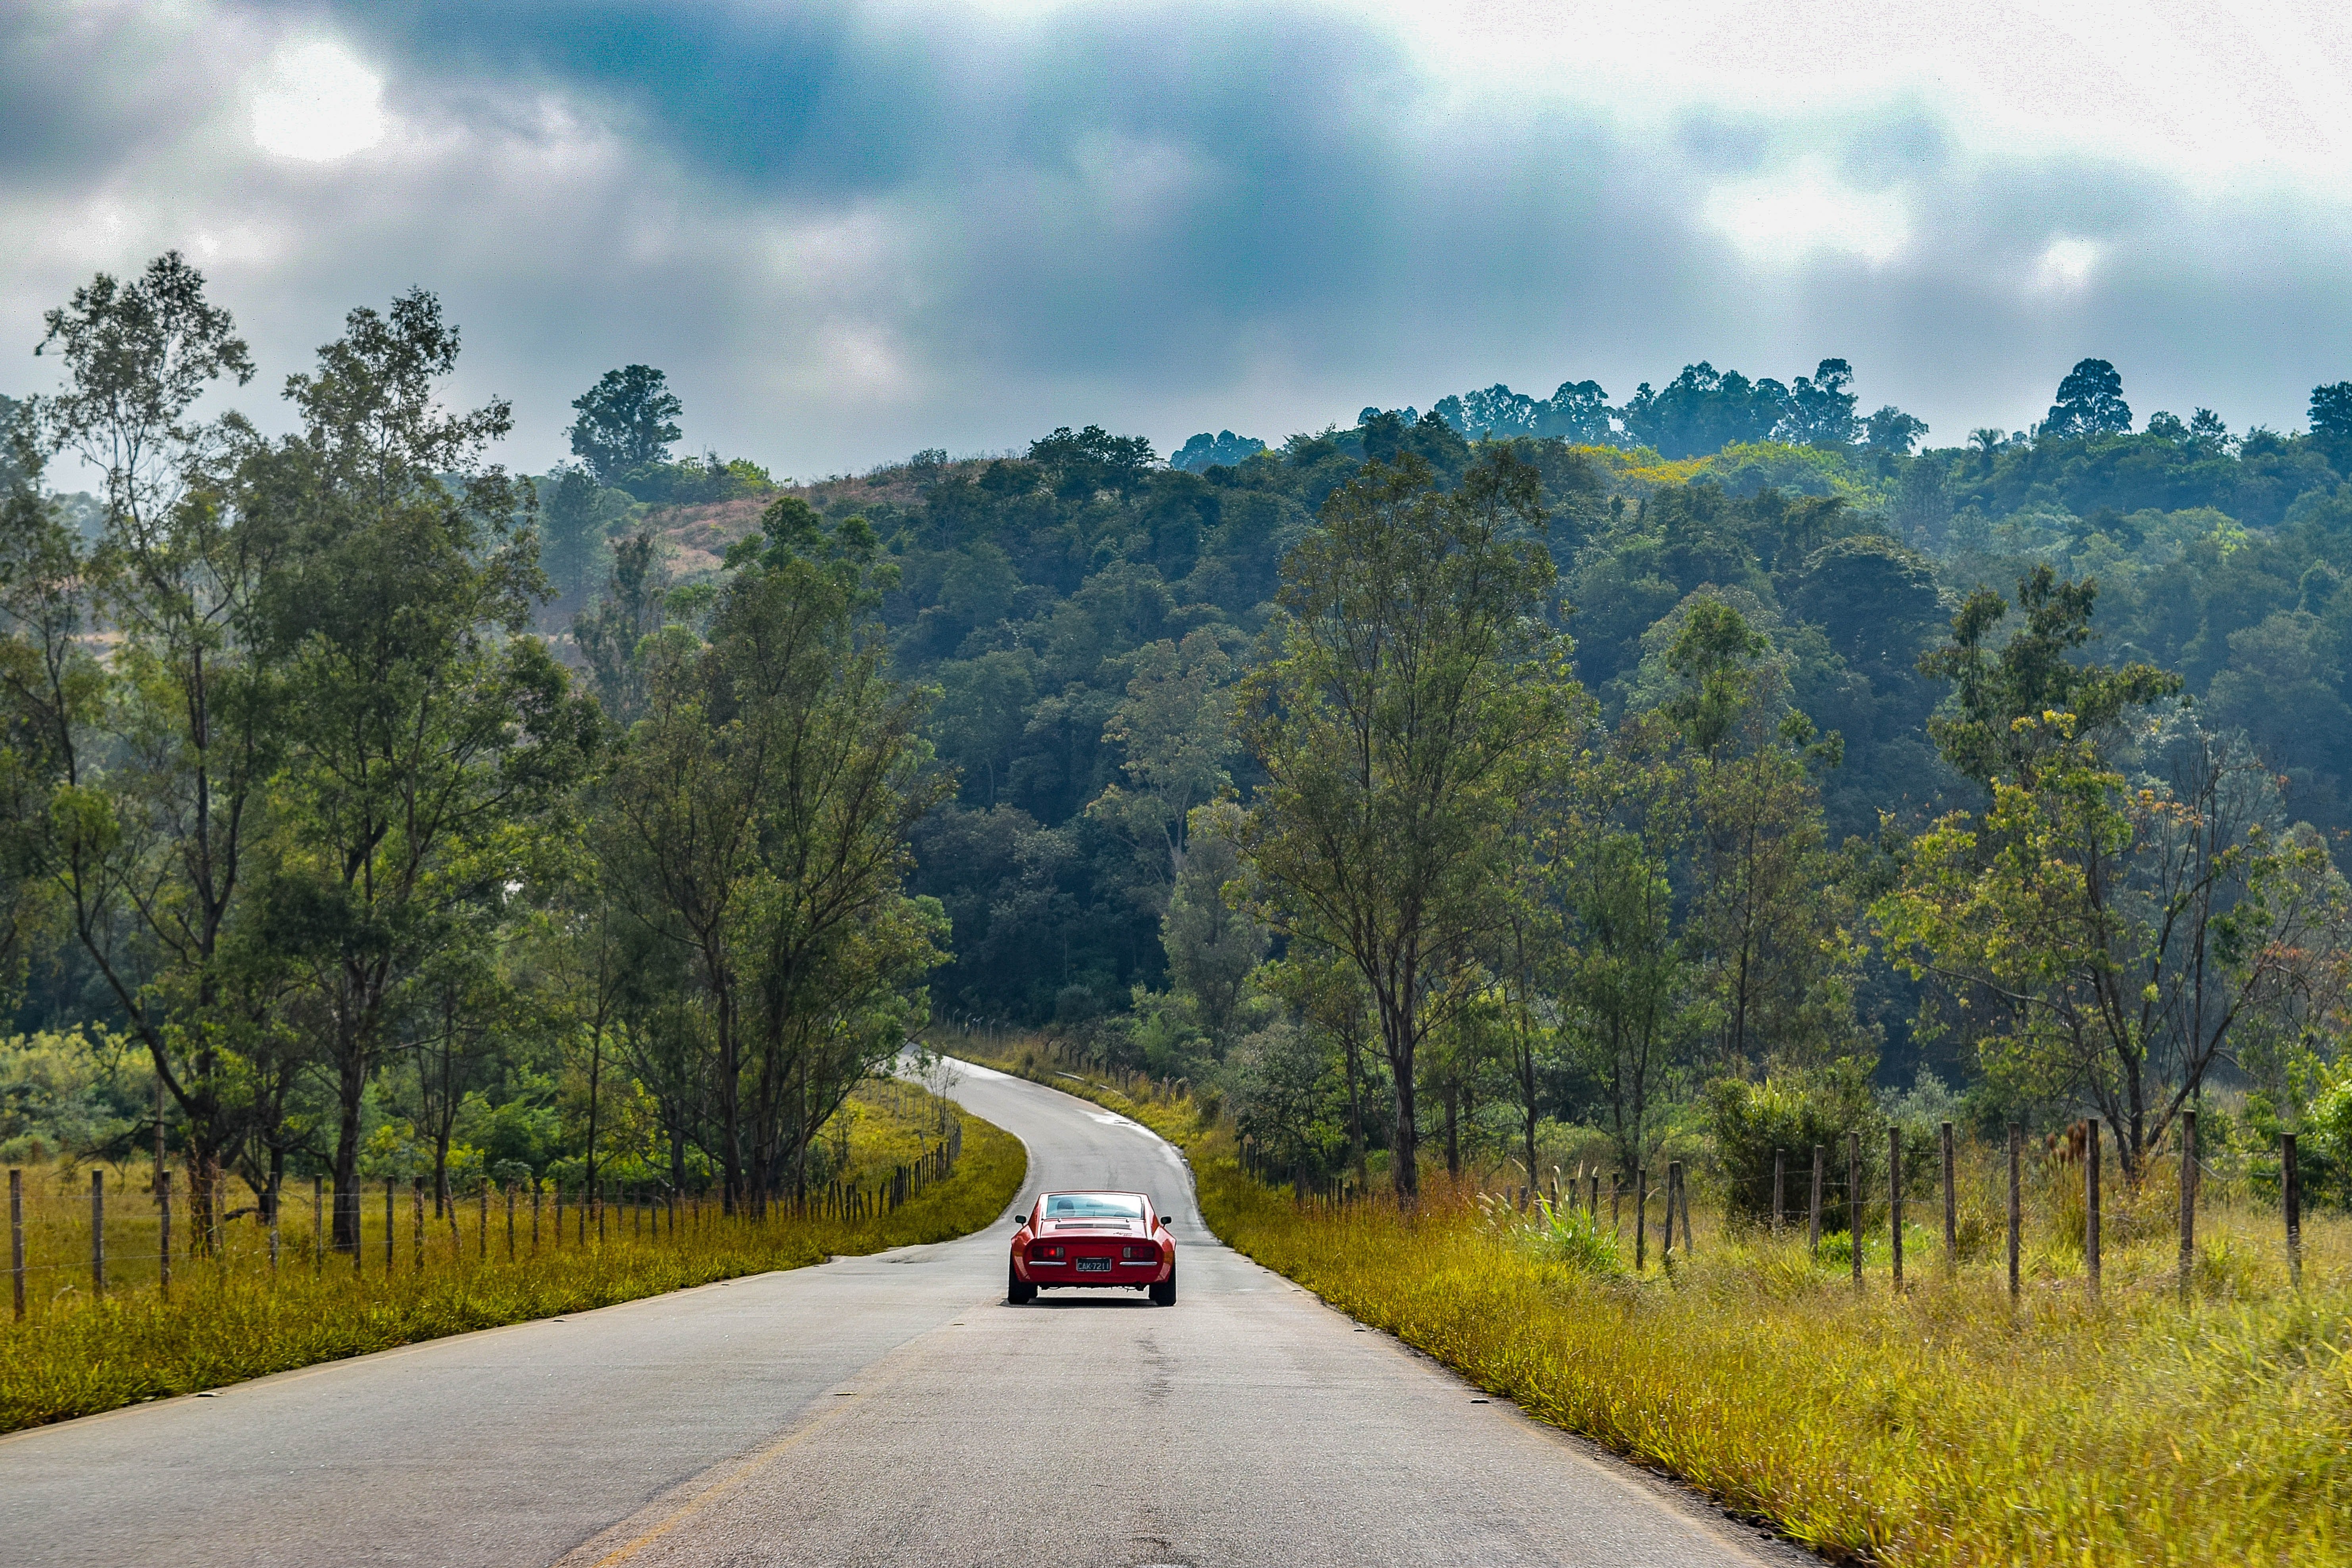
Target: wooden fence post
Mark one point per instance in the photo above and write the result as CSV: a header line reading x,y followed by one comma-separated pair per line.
x,y
1815,1235
416,1205
510,1247
1666,1247
318,1222
2090,1205
559,1214
1780,1179
2188,1201
1894,1200
1951,1207
2016,1200
274,1223
98,1234
534,1216
2290,1189
163,1243
1853,1201
391,1221
1616,1190
17,1236
1641,1216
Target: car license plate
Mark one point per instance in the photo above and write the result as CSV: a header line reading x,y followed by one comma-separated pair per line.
x,y
1094,1265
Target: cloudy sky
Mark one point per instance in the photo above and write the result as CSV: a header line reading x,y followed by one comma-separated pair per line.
x,y
849,231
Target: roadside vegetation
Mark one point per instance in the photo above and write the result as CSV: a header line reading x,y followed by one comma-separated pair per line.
x,y
1940,1426
232,1317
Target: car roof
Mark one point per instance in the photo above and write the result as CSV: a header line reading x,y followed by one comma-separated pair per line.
x,y
1093,1193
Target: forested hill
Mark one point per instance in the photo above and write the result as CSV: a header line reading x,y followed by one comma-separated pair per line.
x,y
1080,611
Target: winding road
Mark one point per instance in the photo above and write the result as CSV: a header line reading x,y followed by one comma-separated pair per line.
x,y
889,1409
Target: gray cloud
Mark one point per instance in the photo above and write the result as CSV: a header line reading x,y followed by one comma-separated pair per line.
x,y
847,232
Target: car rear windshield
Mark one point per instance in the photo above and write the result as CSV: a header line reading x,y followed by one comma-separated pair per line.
x,y
1093,1206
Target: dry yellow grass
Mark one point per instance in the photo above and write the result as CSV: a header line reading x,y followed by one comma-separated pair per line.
x,y
1934,1428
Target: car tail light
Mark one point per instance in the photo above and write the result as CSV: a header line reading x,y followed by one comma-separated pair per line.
x,y
1139,1254
1045,1249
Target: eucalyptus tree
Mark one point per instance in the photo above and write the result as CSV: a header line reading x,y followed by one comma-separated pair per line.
x,y
140,818
758,819
1766,923
1409,696
426,733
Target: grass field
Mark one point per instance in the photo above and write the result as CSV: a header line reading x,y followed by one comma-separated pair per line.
x,y
238,1319
1937,1427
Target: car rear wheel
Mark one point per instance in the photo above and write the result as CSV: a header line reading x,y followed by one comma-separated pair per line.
x,y
1164,1294
1018,1292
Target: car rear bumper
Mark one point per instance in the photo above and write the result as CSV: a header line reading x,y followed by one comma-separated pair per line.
x,y
1045,1276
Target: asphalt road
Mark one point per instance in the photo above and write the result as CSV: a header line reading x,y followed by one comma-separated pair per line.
x,y
888,1409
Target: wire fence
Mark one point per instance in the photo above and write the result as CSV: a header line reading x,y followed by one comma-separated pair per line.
x,y
76,1239
1970,1206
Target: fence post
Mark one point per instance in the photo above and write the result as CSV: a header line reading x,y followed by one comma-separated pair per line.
x,y
1666,1245
559,1214
1951,1207
1815,1241
318,1222
1779,1180
391,1222
417,1206
534,1216
2188,1201
1616,1198
511,1247
98,1234
2016,1200
1853,1201
2091,1205
1641,1216
163,1245
17,1236
2291,1189
1894,1200
273,1225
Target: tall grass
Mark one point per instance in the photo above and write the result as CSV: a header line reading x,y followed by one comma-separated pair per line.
x,y
1938,1426
237,1319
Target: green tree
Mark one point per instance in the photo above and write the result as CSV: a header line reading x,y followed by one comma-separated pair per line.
x,y
612,634
760,819
1174,731
1892,430
576,522
161,753
1627,982
1765,922
1983,732
426,729
1408,696
627,423
1212,944
2090,403
2118,943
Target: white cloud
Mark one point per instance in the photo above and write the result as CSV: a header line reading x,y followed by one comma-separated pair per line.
x,y
318,104
2066,264
1786,218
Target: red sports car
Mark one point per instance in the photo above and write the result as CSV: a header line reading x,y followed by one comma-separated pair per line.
x,y
1097,1239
